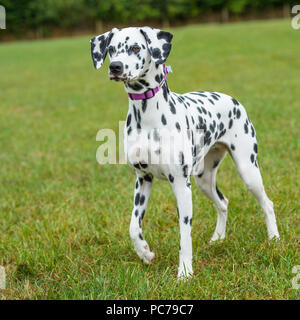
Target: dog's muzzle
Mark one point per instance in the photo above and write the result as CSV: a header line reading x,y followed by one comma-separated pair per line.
x,y
116,69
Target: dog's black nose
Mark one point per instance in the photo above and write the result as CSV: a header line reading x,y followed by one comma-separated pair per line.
x,y
116,68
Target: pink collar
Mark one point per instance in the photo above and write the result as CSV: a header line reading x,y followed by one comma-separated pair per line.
x,y
151,92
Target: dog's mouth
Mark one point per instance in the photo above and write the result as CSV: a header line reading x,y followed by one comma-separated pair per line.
x,y
118,78
121,78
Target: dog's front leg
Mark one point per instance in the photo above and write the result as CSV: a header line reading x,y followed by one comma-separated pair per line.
x,y
141,196
183,194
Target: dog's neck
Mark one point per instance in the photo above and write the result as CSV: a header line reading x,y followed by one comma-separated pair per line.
x,y
151,78
144,112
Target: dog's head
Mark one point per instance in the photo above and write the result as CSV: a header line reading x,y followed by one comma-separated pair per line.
x,y
131,51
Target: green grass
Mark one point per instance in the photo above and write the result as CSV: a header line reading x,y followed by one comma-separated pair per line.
x,y
64,219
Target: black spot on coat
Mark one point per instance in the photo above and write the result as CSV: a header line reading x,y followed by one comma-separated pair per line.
x,y
172,107
144,105
137,199
148,178
220,195
255,147
128,120
235,101
142,200
181,158
216,163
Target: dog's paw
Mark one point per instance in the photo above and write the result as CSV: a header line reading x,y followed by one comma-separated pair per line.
x,y
216,238
148,257
145,254
274,237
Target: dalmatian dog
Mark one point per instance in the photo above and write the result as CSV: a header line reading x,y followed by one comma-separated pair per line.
x,y
137,57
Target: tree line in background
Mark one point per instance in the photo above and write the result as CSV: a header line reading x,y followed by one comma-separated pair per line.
x,y
41,17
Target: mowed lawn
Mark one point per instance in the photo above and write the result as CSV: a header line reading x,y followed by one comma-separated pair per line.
x,y
64,219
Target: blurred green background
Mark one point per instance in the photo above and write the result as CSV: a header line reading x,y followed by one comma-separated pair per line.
x,y
36,18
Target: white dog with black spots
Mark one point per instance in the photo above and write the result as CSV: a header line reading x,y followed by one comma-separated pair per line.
x,y
210,124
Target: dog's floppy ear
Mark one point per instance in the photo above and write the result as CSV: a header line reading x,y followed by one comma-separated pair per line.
x,y
158,42
99,46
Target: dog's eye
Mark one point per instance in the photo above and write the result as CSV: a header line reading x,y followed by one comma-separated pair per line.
x,y
111,50
135,49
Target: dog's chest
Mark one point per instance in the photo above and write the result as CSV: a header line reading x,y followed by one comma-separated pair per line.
x,y
150,150
159,131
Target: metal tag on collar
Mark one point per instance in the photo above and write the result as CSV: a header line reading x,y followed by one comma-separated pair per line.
x,y
169,69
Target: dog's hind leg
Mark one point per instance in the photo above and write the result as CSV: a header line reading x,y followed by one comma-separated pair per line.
x,y
142,193
206,182
245,158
